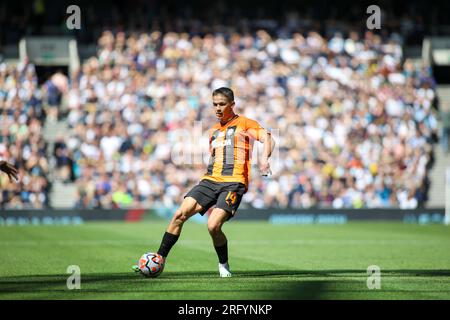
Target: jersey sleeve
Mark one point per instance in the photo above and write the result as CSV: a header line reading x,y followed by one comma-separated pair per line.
x,y
254,129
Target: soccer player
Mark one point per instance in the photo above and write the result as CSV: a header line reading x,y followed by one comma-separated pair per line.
x,y
9,169
226,179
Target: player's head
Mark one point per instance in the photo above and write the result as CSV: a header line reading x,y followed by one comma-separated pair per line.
x,y
223,103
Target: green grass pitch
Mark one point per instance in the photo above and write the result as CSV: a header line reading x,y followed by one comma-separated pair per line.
x,y
267,261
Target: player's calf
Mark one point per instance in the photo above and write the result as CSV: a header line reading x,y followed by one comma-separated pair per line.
x,y
188,208
215,222
178,219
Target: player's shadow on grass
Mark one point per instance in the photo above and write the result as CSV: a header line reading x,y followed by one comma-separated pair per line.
x,y
343,273
112,283
293,284
195,275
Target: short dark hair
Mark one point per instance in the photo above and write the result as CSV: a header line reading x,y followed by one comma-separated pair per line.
x,y
227,92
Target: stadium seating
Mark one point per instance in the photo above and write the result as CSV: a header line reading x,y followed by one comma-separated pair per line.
x,y
23,111
354,121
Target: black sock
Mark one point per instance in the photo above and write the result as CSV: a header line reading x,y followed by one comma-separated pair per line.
x,y
167,243
222,252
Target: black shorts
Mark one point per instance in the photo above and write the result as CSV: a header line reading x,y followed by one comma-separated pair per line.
x,y
225,195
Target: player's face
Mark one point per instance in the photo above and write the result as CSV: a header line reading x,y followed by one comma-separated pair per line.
x,y
222,107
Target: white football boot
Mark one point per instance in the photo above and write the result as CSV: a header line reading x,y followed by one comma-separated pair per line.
x,y
224,270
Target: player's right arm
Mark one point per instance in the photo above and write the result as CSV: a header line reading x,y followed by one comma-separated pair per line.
x,y
9,169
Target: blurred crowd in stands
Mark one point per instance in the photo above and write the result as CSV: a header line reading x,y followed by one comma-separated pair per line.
x,y
355,122
353,119
22,116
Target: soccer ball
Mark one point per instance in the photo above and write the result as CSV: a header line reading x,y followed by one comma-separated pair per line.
x,y
151,264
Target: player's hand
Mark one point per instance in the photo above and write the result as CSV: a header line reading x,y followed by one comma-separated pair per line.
x,y
264,166
10,170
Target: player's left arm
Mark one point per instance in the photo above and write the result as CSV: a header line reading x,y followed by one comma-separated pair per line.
x,y
265,137
268,145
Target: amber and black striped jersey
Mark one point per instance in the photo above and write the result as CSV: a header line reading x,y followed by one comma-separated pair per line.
x,y
230,146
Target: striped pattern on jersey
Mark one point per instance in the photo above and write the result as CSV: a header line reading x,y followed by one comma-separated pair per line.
x,y
231,146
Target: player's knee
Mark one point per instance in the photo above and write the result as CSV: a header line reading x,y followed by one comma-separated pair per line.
x,y
179,217
214,227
